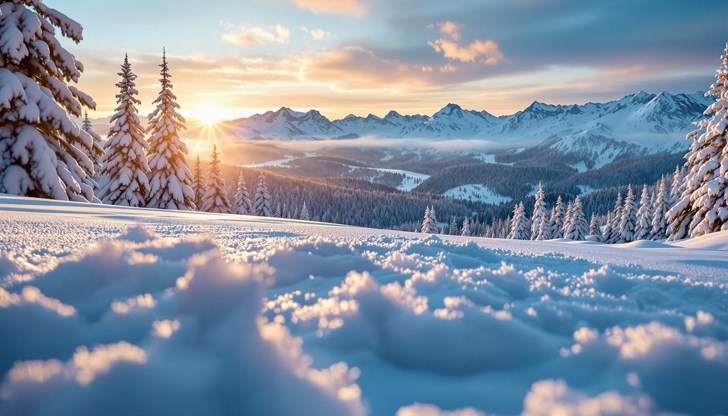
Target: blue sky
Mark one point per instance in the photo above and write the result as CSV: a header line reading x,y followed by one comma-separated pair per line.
x,y
236,57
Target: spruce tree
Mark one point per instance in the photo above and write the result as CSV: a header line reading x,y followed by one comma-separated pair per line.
x,y
123,177
557,219
607,228
539,215
216,197
644,217
277,212
262,204
568,217
594,229
242,204
577,227
628,221
95,153
520,227
42,151
659,218
614,235
304,212
466,228
199,184
170,179
703,204
453,230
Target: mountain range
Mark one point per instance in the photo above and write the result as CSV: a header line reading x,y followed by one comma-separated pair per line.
x,y
651,122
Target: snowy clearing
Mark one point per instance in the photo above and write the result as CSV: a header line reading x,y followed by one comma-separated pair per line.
x,y
476,192
192,313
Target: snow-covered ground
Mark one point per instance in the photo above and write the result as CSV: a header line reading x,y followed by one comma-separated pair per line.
x,y
114,311
476,192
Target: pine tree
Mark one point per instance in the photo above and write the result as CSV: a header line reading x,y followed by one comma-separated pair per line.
x,y
614,235
557,219
644,217
262,204
199,184
607,228
216,197
539,215
628,221
594,229
277,212
95,153
659,218
453,230
429,222
568,217
577,228
123,177
703,204
304,212
242,205
170,178
520,226
42,151
466,228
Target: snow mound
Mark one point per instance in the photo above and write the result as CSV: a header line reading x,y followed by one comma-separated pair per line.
x,y
177,336
715,241
292,317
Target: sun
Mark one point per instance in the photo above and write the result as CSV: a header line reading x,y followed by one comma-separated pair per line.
x,y
208,114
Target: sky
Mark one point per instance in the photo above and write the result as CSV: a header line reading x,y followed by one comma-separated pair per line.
x,y
234,58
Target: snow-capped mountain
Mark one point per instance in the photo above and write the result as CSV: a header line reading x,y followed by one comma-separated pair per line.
x,y
652,122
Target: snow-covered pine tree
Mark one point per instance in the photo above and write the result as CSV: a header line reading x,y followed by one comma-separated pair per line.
x,y
123,177
594,229
96,152
577,227
628,221
703,207
466,228
557,219
433,220
216,197
676,186
42,151
660,208
520,227
304,212
546,226
644,217
453,230
170,179
242,204
568,217
426,221
614,235
199,184
262,204
607,228
277,212
539,215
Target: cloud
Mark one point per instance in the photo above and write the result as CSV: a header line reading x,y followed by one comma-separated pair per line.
x,y
246,35
353,7
317,34
484,51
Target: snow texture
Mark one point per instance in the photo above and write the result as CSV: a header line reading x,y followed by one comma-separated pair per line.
x,y
277,316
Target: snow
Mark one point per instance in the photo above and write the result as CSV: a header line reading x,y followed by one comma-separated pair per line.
x,y
579,167
476,192
270,163
275,316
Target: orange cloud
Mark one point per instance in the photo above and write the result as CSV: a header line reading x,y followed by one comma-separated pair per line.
x,y
354,68
355,7
245,35
484,51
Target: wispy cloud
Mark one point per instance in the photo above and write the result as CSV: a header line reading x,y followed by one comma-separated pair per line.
x,y
250,35
317,34
353,7
484,51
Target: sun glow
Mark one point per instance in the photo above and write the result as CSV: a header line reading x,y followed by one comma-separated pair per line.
x,y
208,114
